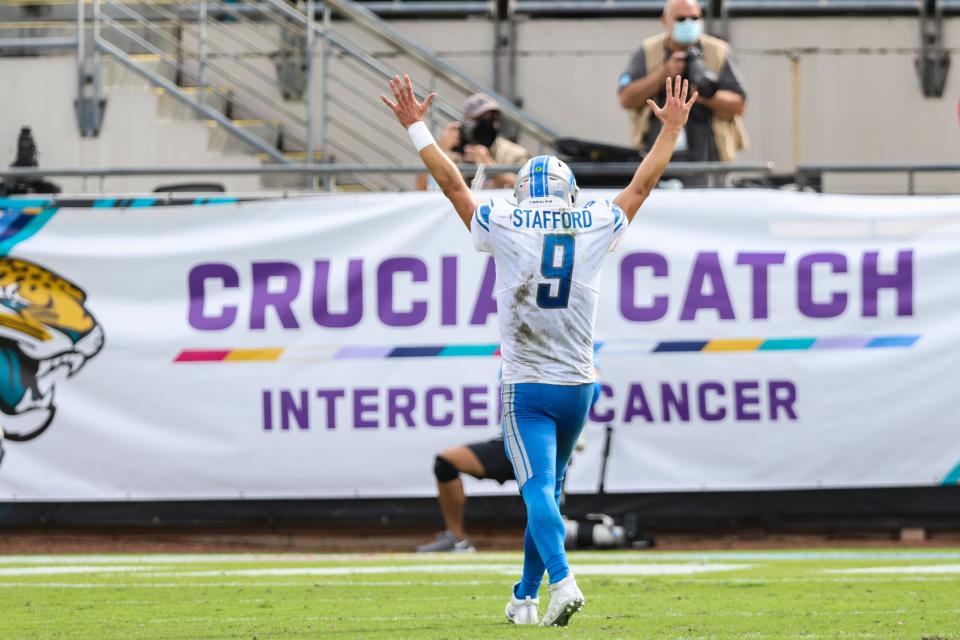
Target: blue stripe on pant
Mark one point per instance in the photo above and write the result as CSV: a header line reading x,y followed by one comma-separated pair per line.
x,y
541,424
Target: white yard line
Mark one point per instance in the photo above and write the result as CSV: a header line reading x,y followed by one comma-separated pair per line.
x,y
499,569
650,556
148,571
908,570
40,571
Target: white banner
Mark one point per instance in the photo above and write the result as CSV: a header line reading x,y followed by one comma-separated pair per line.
x,y
330,346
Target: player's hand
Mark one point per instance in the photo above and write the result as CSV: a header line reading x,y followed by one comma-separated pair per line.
x,y
477,154
406,108
450,137
675,64
676,109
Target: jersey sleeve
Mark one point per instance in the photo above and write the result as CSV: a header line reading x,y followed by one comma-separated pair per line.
x,y
480,227
618,225
636,69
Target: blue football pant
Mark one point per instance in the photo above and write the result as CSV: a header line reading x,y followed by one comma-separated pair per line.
x,y
541,424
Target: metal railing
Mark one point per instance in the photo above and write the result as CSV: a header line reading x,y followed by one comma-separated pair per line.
x,y
716,172
805,176
284,79
354,130
806,173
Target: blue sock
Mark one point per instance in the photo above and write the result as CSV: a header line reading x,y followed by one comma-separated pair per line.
x,y
545,526
533,569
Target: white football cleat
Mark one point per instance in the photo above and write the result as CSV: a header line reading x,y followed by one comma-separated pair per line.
x,y
565,600
526,611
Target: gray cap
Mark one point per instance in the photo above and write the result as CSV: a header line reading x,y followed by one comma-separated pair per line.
x,y
478,104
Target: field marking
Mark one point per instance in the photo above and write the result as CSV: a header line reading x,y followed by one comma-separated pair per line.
x,y
169,558
648,556
41,571
914,569
299,584
365,584
500,569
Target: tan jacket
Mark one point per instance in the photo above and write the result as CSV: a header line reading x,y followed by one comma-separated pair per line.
x,y
503,151
729,133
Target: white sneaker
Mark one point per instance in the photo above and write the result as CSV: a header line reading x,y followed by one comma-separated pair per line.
x,y
565,600
526,611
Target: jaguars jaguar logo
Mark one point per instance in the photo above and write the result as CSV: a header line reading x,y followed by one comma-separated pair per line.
x,y
47,334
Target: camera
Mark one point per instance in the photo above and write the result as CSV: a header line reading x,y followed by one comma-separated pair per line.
x,y
697,73
600,531
482,131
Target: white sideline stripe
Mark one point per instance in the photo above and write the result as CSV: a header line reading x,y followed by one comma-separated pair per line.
x,y
939,568
245,584
44,571
499,569
192,558
299,584
649,556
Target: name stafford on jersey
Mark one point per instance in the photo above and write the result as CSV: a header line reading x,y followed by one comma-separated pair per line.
x,y
560,220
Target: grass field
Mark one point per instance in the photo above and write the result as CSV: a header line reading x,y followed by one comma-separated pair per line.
x,y
822,594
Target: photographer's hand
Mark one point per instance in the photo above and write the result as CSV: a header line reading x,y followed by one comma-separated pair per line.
x,y
724,103
477,154
674,65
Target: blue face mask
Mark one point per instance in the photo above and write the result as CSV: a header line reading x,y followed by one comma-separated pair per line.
x,y
687,32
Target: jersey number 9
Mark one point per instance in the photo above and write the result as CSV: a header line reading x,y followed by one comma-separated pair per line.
x,y
562,244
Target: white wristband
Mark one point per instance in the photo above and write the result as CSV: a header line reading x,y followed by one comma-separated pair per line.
x,y
420,135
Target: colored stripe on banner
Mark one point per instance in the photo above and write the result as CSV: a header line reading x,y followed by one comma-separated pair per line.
x,y
24,227
470,350
787,344
681,346
614,347
749,344
953,478
201,355
254,355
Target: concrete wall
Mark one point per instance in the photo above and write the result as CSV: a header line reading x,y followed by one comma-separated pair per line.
x,y
852,92
39,93
820,90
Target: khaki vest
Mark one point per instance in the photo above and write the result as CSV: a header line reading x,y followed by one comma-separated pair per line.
x,y
729,133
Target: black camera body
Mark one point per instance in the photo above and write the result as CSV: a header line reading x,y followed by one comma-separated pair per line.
x,y
482,132
697,73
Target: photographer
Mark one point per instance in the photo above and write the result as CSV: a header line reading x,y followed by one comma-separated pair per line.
x,y
26,158
477,140
715,129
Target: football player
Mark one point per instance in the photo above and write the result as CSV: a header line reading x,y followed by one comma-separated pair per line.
x,y
548,250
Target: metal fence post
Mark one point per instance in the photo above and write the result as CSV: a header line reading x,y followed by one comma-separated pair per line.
x,y
96,51
88,105
328,179
81,43
311,38
202,51
795,105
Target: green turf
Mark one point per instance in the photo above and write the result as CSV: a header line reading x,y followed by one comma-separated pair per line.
x,y
738,595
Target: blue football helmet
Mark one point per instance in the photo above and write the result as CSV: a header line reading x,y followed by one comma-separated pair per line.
x,y
545,176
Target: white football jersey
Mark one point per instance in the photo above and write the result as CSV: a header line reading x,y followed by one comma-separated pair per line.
x,y
548,271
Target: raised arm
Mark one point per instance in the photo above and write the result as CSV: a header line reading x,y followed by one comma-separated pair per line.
x,y
410,113
673,115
